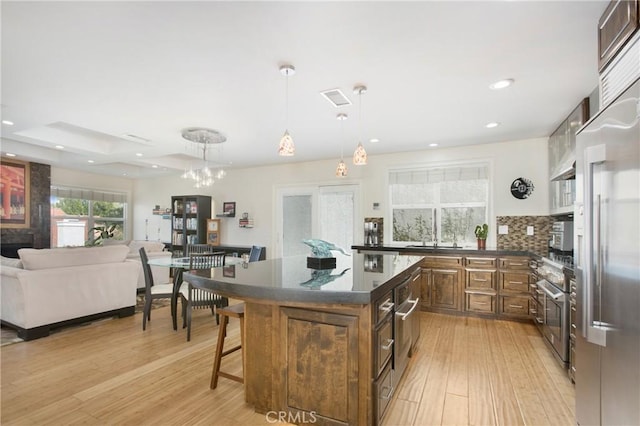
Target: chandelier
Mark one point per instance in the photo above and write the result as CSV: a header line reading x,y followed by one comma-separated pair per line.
x,y
202,139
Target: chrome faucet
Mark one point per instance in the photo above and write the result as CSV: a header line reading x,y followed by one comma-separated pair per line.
x,y
435,229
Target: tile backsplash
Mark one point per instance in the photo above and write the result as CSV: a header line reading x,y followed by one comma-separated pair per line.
x,y
517,238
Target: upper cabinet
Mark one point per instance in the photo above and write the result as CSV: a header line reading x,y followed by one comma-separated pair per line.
x,y
616,26
562,160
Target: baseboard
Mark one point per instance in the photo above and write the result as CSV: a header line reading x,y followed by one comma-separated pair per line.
x,y
44,330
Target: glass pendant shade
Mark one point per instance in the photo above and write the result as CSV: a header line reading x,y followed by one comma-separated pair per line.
x,y
360,155
202,139
286,148
341,170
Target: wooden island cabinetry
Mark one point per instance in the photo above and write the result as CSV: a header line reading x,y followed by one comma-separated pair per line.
x,y
315,356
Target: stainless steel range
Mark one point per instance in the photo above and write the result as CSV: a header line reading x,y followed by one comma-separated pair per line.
x,y
552,314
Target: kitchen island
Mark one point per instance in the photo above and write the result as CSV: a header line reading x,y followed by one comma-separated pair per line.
x,y
318,343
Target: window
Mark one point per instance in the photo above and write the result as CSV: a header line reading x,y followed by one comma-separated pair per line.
x,y
439,205
74,212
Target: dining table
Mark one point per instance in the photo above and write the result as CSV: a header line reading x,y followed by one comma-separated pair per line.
x,y
178,266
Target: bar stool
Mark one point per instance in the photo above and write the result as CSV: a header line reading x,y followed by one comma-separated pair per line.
x,y
236,311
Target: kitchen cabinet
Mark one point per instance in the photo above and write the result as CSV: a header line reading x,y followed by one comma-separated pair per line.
x,y
513,287
562,158
189,214
416,286
480,291
444,282
619,21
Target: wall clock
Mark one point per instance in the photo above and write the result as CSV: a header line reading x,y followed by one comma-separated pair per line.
x,y
521,188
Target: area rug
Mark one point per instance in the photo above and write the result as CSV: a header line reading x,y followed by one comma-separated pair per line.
x,y
10,336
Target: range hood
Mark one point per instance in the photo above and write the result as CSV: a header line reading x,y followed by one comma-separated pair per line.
x,y
565,171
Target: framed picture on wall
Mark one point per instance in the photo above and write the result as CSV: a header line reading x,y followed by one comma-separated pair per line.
x,y
229,209
14,194
213,232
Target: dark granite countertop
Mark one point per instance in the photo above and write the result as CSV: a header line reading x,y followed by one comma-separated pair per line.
x,y
442,250
357,279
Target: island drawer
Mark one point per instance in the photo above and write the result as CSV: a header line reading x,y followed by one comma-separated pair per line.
x,y
383,307
383,348
383,392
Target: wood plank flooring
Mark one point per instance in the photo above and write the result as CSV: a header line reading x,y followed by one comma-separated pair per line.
x,y
466,371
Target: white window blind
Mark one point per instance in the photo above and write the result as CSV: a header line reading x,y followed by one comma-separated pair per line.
x,y
438,175
88,194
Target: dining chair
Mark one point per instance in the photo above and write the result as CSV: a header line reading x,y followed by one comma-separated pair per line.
x,y
195,296
199,248
151,291
256,253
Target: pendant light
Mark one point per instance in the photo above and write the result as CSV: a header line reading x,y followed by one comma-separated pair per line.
x,y
341,170
360,155
287,148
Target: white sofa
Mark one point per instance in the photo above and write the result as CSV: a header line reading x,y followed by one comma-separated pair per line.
x,y
154,250
48,288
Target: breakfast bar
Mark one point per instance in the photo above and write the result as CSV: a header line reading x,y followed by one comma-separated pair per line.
x,y
319,342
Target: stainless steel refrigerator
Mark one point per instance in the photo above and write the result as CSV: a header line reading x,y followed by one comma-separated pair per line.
x,y
607,256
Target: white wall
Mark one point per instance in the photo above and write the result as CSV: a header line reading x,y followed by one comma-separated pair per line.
x,y
253,189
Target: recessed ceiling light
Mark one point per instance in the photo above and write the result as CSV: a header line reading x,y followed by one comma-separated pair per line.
x,y
374,140
433,144
90,161
138,154
155,166
501,84
8,154
492,125
7,122
59,147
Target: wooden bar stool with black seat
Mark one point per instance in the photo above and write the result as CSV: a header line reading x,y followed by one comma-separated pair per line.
x,y
236,311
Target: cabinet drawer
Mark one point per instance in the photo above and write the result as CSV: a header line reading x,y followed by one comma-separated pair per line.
x,y
514,281
383,391
441,261
480,279
383,344
480,262
514,305
382,307
518,263
480,303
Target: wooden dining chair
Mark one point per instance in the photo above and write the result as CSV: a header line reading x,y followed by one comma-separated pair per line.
x,y
151,291
195,296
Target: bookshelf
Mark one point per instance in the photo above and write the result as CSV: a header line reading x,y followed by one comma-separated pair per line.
x,y
189,214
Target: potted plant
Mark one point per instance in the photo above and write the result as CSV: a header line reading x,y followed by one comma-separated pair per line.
x,y
482,231
99,234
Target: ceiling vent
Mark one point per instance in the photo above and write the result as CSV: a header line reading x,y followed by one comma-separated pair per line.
x,y
336,97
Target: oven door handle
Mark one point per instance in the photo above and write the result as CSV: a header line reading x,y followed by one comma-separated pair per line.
x,y
554,296
404,316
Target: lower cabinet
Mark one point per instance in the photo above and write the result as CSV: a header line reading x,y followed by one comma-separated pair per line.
x,y
482,285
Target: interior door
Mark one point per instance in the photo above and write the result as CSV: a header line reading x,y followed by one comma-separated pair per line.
x,y
326,212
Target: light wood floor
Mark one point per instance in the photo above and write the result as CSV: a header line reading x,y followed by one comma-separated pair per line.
x,y
467,371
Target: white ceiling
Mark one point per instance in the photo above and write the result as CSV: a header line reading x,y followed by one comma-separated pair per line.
x,y
86,74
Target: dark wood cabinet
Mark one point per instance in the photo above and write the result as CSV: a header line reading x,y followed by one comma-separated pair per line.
x,y
445,289
480,285
617,24
513,288
189,214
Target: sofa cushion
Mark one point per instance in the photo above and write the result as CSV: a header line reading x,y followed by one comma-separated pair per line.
x,y
9,261
33,259
149,246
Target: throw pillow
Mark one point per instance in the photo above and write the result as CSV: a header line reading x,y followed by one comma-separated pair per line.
x,y
8,261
